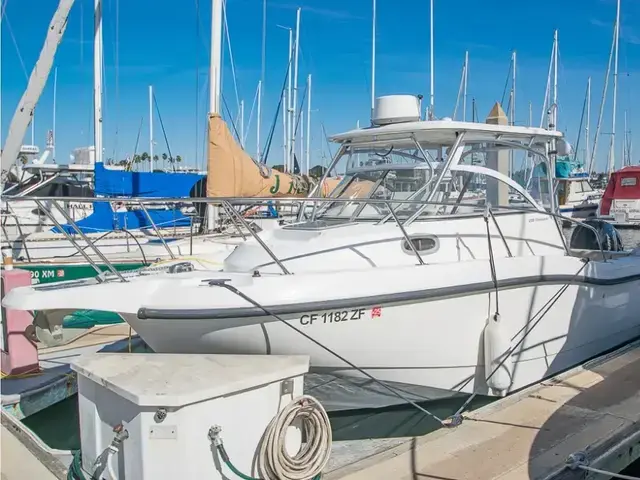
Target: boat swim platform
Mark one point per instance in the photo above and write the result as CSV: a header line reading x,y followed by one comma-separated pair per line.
x,y
26,394
593,410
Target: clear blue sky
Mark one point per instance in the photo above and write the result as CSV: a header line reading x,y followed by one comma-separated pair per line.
x,y
163,43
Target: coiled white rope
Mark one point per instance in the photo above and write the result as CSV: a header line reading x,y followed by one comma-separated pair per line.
x,y
274,463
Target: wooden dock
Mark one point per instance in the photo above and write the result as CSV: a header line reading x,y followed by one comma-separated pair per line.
x,y
24,395
592,411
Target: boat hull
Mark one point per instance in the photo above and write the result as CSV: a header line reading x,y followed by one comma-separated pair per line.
x,y
44,273
433,344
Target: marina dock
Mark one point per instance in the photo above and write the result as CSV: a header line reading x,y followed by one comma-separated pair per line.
x,y
29,393
585,417
593,409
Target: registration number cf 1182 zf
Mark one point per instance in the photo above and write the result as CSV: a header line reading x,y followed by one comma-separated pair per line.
x,y
340,316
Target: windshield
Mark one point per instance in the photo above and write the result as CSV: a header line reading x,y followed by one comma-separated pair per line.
x,y
390,175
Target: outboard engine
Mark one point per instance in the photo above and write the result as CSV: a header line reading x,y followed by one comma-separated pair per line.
x,y
584,238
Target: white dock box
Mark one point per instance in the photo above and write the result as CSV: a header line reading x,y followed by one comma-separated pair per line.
x,y
168,402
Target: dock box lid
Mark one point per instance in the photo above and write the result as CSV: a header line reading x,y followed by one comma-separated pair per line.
x,y
176,380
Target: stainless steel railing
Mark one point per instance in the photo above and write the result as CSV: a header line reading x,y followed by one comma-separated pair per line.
x,y
237,220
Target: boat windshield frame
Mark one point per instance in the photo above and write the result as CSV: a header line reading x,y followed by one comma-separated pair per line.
x,y
441,171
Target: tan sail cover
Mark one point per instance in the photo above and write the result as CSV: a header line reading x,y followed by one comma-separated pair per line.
x,y
231,172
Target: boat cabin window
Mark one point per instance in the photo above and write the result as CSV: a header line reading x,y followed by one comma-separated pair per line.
x,y
586,186
628,181
62,186
424,244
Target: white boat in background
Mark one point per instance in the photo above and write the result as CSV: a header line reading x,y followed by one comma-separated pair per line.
x,y
577,198
432,296
42,179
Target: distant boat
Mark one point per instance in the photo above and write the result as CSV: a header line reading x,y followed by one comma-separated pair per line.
x,y
621,201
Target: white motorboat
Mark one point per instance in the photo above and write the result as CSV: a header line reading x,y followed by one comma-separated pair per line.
x,y
430,296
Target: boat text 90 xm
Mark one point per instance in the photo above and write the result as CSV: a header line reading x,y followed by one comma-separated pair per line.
x,y
427,279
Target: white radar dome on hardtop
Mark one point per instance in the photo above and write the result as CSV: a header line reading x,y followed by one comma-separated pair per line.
x,y
563,148
396,109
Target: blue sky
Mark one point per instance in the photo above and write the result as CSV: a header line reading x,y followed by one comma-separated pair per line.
x,y
163,43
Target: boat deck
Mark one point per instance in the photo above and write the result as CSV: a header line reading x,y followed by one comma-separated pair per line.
x,y
594,409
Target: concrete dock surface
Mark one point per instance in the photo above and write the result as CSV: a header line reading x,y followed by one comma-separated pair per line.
x,y
17,462
529,435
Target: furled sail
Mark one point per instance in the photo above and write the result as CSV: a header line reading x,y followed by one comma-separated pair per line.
x,y
231,172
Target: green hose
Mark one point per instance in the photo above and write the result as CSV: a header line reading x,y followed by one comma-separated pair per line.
x,y
75,469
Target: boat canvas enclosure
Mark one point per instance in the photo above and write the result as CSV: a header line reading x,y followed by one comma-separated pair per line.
x,y
622,195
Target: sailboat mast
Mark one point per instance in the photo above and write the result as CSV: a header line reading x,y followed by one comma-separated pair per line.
x,y
586,127
288,162
625,159
295,89
513,89
261,81
431,64
150,127
242,124
545,104
555,80
213,211
308,159
603,99
301,141
466,78
216,57
258,121
53,130
612,158
97,82
285,116
373,60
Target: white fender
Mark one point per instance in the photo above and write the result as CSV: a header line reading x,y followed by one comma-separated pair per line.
x,y
496,345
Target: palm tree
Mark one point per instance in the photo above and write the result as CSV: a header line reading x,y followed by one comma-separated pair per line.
x,y
144,157
178,158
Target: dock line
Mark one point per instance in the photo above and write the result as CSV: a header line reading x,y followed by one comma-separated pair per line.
x,y
222,283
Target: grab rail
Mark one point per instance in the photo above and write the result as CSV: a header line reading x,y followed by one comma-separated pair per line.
x,y
227,204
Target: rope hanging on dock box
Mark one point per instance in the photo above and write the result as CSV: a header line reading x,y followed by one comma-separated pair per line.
x,y
273,461
231,288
